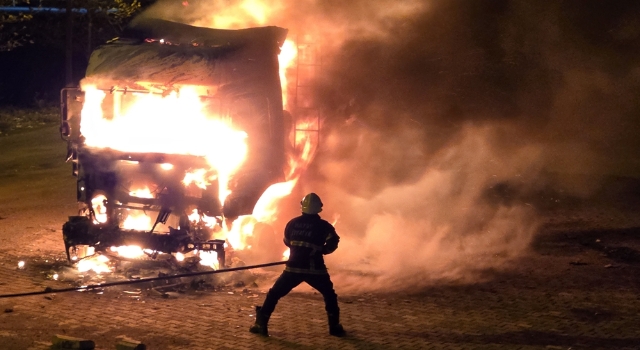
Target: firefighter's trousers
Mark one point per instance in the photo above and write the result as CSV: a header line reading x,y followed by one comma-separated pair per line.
x,y
289,280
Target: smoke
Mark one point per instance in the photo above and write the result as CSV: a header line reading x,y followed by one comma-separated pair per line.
x,y
445,120
460,215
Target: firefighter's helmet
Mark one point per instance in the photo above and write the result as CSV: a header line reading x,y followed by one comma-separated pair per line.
x,y
311,204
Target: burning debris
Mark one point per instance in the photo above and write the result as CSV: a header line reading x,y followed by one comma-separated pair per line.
x,y
162,276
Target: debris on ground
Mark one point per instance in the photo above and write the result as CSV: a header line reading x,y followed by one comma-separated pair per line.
x,y
125,343
66,342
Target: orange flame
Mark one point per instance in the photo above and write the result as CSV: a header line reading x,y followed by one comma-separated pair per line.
x,y
95,263
241,14
286,59
128,251
266,208
209,259
197,177
99,209
141,126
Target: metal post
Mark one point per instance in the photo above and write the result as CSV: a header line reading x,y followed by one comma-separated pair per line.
x,y
69,46
89,30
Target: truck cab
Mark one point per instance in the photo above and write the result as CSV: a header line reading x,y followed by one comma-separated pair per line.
x,y
174,132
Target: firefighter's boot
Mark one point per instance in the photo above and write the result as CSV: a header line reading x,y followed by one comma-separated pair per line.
x,y
262,320
335,328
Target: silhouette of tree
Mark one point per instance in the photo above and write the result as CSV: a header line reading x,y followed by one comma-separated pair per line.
x,y
44,23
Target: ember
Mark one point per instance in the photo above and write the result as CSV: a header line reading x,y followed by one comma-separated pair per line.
x,y
96,263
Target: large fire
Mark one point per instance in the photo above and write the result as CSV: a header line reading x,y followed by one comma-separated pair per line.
x,y
140,126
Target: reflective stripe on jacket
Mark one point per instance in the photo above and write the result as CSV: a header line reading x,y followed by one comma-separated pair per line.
x,y
309,237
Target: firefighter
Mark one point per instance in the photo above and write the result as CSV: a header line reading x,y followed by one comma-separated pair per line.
x,y
309,238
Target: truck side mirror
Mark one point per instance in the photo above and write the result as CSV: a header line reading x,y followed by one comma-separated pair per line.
x,y
70,105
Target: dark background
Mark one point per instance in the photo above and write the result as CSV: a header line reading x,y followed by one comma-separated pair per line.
x,y
36,75
33,72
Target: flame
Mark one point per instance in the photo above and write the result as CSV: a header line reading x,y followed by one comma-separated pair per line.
x,y
99,209
194,216
267,206
208,221
251,13
141,193
130,251
241,14
209,259
266,209
285,255
286,60
96,263
197,177
137,220
173,124
306,139
240,231
142,127
256,9
254,13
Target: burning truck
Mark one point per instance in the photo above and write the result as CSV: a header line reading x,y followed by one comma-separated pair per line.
x,y
175,132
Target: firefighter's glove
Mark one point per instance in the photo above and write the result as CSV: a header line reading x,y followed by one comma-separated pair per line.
x,y
329,247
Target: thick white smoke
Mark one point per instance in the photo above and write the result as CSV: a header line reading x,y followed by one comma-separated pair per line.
x,y
451,223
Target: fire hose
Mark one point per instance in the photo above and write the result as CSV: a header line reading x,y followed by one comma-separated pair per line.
x,y
50,290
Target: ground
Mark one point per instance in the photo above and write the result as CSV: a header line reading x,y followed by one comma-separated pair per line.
x,y
577,287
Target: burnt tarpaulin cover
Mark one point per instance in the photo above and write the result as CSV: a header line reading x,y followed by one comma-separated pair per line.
x,y
183,34
168,53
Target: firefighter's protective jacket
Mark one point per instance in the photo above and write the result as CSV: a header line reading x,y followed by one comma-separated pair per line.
x,y
309,237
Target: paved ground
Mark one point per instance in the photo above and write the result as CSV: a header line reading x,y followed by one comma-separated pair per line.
x,y
578,288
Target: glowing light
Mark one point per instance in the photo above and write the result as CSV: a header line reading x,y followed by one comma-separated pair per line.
x,y
242,14
267,206
266,209
197,177
286,59
240,232
141,127
99,208
256,9
285,255
96,263
137,220
209,259
128,251
141,193
21,264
